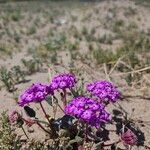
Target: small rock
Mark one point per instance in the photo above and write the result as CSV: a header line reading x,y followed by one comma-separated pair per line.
x,y
23,139
30,130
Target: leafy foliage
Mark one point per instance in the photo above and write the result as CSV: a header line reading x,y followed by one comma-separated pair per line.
x,y
8,139
6,78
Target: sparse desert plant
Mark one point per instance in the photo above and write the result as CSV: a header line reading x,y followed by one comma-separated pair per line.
x,y
16,15
113,11
84,118
6,78
74,18
132,25
54,58
119,22
103,56
58,42
74,55
51,47
36,145
84,31
32,30
132,59
93,31
17,37
90,37
130,11
90,46
106,39
33,65
87,17
73,46
6,49
18,74
74,31
37,21
51,18
117,26
8,140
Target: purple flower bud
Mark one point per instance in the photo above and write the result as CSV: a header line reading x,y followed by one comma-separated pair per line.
x,y
129,138
13,116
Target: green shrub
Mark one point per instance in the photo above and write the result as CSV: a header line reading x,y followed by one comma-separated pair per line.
x,y
8,140
6,78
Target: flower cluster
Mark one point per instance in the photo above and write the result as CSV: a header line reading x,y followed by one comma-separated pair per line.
x,y
129,137
63,81
88,111
104,90
36,93
13,117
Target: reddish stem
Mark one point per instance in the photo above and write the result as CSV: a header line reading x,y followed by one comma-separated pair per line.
x,y
64,96
106,145
45,113
38,125
85,132
50,122
59,105
42,127
24,132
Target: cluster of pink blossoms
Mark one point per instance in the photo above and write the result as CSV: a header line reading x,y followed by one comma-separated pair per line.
x,y
35,93
104,90
38,92
13,116
87,110
63,81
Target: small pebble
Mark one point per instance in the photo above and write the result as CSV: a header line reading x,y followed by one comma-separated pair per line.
x,y
30,130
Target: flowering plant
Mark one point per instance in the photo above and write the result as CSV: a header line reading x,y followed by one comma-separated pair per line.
x,y
84,118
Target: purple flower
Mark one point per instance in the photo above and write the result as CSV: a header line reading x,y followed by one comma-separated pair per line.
x,y
79,103
87,115
35,93
87,110
63,81
78,111
70,109
105,116
104,90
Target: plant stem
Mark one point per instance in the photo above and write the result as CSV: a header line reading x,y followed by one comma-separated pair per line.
x,y
50,123
64,97
58,104
54,110
45,113
106,145
85,132
24,132
37,122
42,127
